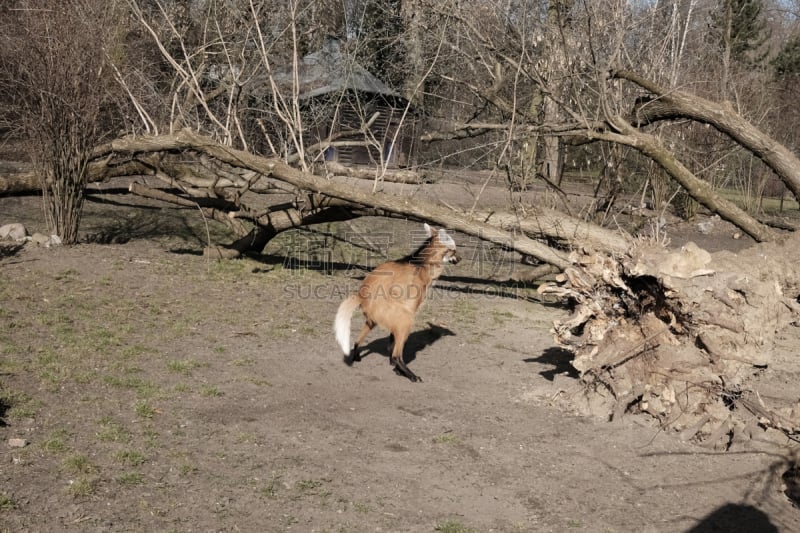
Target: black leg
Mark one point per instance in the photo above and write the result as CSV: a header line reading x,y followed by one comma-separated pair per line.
x,y
400,335
354,356
401,368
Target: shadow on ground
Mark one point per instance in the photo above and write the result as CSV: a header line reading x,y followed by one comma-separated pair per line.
x,y
561,360
417,341
734,518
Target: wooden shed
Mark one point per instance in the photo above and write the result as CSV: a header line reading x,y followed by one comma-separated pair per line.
x,y
338,99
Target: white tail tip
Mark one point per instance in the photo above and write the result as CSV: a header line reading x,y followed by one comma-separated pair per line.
x,y
341,326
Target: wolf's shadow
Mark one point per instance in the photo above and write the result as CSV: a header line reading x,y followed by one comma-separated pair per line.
x,y
417,341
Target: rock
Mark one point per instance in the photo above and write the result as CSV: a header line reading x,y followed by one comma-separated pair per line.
x,y
707,226
44,240
17,443
13,232
40,239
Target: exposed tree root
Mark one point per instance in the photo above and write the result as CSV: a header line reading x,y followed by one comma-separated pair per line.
x,y
679,334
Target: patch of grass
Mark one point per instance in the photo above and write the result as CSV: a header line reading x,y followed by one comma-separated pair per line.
x,y
151,438
130,457
178,328
81,487
78,464
769,205
188,468
184,366
66,275
100,339
8,348
311,487
144,410
133,350
56,442
228,270
361,507
85,377
465,310
7,502
18,404
453,526
501,317
51,368
282,331
144,389
211,391
245,437
182,387
446,438
130,478
308,486
270,490
112,431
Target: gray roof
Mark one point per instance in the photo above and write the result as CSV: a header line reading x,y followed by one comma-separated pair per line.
x,y
329,70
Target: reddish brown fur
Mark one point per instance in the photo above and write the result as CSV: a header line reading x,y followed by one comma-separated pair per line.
x,y
391,295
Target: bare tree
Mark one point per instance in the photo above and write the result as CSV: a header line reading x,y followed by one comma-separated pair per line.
x,y
236,74
54,56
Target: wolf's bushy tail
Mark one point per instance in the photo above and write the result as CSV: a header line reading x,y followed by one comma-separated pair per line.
x,y
342,323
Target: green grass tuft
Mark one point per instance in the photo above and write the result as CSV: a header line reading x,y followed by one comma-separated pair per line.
x,y
56,442
78,464
453,526
7,502
144,410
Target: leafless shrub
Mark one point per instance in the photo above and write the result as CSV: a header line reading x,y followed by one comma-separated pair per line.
x,y
54,59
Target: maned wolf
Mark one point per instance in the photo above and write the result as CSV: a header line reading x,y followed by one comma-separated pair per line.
x,y
391,295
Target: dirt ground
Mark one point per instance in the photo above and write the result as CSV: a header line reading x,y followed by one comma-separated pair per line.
x,y
158,391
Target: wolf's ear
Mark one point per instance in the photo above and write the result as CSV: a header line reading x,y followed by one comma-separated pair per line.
x,y
428,231
446,239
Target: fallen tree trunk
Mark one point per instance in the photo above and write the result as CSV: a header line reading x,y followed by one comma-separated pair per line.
x,y
251,171
554,225
216,178
678,335
22,178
